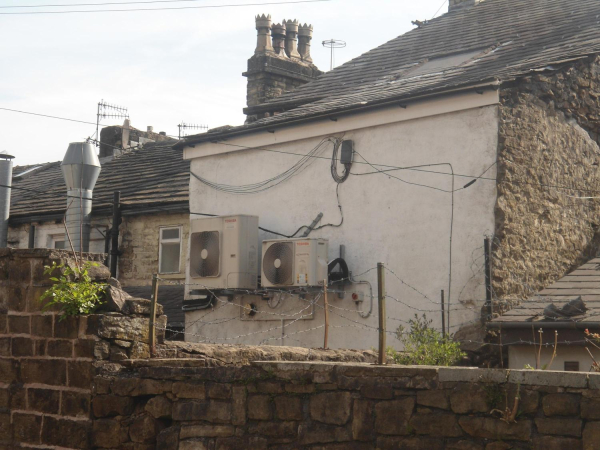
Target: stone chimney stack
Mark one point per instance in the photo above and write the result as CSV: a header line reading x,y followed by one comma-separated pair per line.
x,y
305,33
291,39
455,5
279,39
263,26
279,64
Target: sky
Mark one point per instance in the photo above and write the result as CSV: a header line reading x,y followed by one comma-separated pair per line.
x,y
165,67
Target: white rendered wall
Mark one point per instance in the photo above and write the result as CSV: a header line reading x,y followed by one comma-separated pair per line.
x,y
405,226
521,355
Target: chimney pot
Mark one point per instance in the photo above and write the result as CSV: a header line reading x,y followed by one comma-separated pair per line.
x,y
162,133
291,39
305,33
279,33
263,27
149,129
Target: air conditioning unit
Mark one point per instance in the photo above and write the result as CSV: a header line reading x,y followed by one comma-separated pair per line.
x,y
294,262
223,253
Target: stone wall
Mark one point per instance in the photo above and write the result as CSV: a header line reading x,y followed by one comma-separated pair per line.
x,y
178,405
45,363
548,154
139,247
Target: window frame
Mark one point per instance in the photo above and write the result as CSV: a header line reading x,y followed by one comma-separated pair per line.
x,y
162,241
54,238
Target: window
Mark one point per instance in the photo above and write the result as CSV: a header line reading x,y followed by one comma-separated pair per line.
x,y
169,252
57,241
571,366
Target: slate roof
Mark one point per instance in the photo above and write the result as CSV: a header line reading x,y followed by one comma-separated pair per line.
x,y
583,282
496,40
148,177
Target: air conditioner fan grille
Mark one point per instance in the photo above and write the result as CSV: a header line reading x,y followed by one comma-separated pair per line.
x,y
209,248
278,263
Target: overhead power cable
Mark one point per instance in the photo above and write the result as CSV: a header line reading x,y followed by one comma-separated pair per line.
x,y
172,8
71,5
46,115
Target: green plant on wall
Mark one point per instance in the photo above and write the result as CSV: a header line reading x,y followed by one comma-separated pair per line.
x,y
73,290
423,345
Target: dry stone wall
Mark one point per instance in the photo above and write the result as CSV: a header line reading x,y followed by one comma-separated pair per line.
x,y
548,155
274,405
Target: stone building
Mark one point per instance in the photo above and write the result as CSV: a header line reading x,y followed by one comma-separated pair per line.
x,y
481,122
153,182
281,63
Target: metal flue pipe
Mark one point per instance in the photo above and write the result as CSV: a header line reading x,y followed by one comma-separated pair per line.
x,y
6,166
80,168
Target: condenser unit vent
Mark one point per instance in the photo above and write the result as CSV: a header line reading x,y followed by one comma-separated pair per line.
x,y
278,263
294,262
223,253
210,256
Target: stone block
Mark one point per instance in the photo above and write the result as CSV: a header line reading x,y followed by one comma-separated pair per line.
x,y
151,387
392,417
118,353
75,404
238,405
102,350
43,400
192,444
142,306
26,428
16,298
259,407
548,378
84,348
106,434
219,390
300,388
278,430
468,398
22,346
111,405
3,322
66,433
5,346
590,408
436,425
8,370
60,348
561,405
492,428
200,431
559,426
66,327
394,443
34,301
362,420
81,374
270,387
18,398
159,407
4,398
591,436
211,411
126,328
556,443
42,325
5,429
381,392
39,347
434,399
463,445
288,408
321,410
139,350
189,390
44,371
168,439
143,430
19,324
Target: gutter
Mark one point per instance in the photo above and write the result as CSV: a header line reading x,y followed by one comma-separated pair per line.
x,y
353,109
550,325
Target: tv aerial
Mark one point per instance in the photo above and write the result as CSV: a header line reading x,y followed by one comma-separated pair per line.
x,y
333,44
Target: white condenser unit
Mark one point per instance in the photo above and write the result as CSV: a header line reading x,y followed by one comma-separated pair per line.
x,y
294,262
224,252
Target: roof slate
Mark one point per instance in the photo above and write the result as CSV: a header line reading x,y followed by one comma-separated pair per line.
x,y
583,282
511,38
155,174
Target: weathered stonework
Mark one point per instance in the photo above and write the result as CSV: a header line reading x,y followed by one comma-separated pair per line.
x,y
548,156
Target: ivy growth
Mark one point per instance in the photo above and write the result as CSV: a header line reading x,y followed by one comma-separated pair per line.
x,y
425,346
73,290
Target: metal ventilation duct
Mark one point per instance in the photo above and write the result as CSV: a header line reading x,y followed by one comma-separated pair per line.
x,y
80,168
6,167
